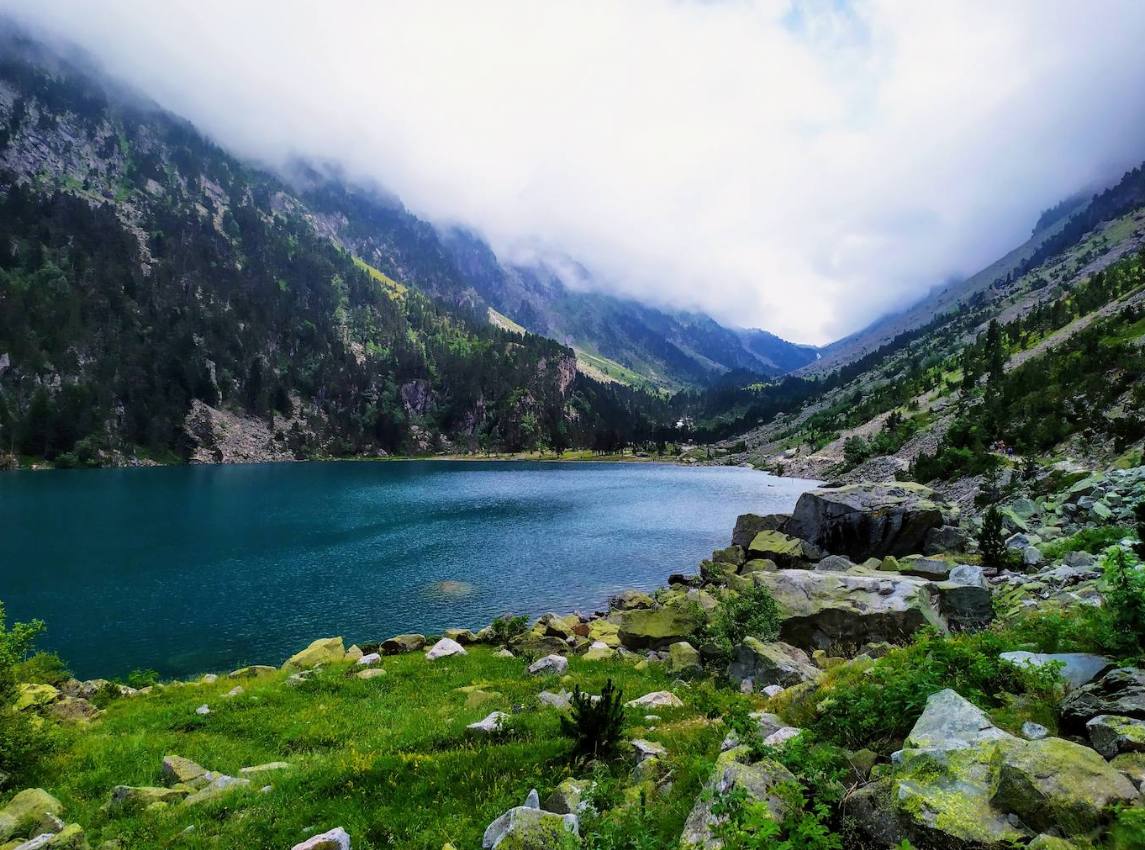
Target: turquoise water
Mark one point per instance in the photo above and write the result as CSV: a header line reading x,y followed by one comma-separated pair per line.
x,y
196,568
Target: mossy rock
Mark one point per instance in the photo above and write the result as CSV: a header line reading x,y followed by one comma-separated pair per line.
x,y
35,695
778,547
322,651
605,632
659,627
683,658
26,811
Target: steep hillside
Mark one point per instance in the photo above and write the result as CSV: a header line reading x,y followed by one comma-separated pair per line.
x,y
160,300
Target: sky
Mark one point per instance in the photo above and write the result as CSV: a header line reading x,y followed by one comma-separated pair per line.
x,y
804,168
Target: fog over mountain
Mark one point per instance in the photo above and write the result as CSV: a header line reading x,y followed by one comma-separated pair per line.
x,y
801,168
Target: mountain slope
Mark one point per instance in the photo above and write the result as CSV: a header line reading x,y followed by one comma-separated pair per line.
x,y
159,298
670,349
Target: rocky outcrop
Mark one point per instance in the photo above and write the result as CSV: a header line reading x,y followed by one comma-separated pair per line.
x,y
218,436
961,782
1119,692
869,520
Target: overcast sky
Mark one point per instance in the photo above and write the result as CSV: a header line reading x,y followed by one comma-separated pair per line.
x,y
798,168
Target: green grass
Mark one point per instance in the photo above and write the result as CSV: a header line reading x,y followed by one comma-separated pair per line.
x,y
388,759
603,369
391,286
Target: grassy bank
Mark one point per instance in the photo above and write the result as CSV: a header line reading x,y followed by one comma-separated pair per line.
x,y
389,759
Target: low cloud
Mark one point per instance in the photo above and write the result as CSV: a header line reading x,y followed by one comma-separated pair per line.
x,y
801,169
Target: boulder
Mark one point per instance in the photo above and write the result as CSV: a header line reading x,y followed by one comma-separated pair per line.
x,y
1132,767
760,781
1076,668
1119,692
370,673
628,600
604,631
71,837
749,525
219,784
656,699
263,769
834,564
934,569
27,811
946,538
370,659
868,519
529,827
1111,734
683,658
949,722
965,606
659,627
462,636
182,771
1057,784
321,651
560,701
550,665
334,839
490,725
399,644
443,649
820,610
568,798
783,550
599,651
774,663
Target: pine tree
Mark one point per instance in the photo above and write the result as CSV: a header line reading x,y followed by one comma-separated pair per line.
x,y
992,540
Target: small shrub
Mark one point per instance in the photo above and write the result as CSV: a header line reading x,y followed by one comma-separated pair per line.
x,y
507,626
596,728
45,667
752,612
142,678
1123,585
992,541
747,824
1139,520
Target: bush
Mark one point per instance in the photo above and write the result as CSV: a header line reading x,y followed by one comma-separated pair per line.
x,y
1139,520
596,728
507,626
1087,540
45,667
877,706
751,612
1123,585
992,541
21,741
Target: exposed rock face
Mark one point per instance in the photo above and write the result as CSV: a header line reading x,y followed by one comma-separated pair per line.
x,y
771,664
1118,692
868,520
416,397
218,436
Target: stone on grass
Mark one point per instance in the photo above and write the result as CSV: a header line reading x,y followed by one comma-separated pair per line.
x,y
560,701
647,749
73,710
528,827
568,798
34,695
133,798
654,628
444,648
71,837
261,769
219,784
656,699
683,658
335,839
760,781
550,665
203,710
252,671
490,725
182,771
371,659
237,690
781,736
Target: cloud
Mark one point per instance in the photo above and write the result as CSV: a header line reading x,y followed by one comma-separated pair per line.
x,y
798,168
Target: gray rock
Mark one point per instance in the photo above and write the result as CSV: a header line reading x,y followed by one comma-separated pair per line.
x,y
1034,731
1119,692
950,722
570,797
560,701
335,839
946,538
868,519
968,574
550,665
1111,734
835,563
759,781
444,648
774,663
490,725
531,828
647,749
1032,556
749,525
1077,668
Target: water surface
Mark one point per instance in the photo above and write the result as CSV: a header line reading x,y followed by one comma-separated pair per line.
x,y
195,568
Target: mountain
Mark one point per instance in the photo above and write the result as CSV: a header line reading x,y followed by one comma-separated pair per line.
x,y
615,336
1056,230
160,299
616,339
